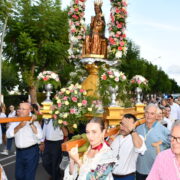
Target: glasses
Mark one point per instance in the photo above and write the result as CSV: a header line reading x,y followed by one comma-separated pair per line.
x,y
172,138
23,109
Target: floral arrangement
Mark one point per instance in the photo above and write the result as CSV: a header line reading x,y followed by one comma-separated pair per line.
x,y
48,77
110,77
139,81
77,28
70,106
117,37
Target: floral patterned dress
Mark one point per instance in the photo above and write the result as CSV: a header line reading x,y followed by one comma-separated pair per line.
x,y
97,168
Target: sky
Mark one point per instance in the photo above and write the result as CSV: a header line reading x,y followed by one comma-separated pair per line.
x,y
152,25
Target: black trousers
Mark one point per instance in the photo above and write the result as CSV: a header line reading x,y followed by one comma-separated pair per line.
x,y
140,176
51,158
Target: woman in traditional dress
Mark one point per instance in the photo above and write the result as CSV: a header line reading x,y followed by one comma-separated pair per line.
x,y
97,162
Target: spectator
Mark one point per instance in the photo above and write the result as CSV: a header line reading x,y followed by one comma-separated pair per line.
x,y
126,147
156,137
9,140
2,115
166,165
175,108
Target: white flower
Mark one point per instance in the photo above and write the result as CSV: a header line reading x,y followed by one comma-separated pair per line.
x,y
66,103
118,54
79,104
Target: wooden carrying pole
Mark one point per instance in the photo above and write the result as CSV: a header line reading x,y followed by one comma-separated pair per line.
x,y
67,146
15,119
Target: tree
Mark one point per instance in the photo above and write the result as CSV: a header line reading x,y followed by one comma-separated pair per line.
x,y
10,77
37,39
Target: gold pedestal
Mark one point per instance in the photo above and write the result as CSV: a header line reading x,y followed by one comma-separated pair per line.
x,y
91,83
140,110
46,110
113,115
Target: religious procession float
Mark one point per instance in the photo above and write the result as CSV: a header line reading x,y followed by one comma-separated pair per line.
x,y
97,87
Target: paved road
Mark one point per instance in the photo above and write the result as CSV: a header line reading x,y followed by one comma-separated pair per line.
x,y
8,163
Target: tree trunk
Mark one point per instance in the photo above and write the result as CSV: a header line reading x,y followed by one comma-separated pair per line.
x,y
33,94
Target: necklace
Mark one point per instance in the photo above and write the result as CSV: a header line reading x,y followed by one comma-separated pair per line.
x,y
177,168
98,147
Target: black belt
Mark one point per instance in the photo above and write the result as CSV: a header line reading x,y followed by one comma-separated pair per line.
x,y
130,174
27,147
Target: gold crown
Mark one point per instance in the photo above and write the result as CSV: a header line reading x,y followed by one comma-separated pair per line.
x,y
98,2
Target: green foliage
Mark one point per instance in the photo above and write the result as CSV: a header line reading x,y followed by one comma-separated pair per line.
x,y
37,38
158,80
9,77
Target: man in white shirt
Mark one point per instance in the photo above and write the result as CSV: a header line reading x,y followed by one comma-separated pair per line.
x,y
12,113
167,119
175,108
51,147
126,147
27,136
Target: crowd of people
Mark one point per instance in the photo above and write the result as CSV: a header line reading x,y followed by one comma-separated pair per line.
x,y
150,151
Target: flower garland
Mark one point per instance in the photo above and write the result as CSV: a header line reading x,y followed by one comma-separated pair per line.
x,y
117,37
77,29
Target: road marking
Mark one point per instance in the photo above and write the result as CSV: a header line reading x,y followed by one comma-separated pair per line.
x,y
7,158
8,163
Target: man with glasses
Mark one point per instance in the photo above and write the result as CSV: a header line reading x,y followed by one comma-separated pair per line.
x,y
156,137
126,147
27,136
166,165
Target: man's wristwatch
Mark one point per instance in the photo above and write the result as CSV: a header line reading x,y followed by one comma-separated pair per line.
x,y
133,131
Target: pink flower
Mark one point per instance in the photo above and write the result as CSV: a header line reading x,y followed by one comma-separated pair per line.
x,y
138,81
72,111
120,48
110,72
112,41
65,123
45,78
59,105
65,98
122,43
74,99
116,79
103,77
81,90
84,102
55,116
119,26
76,9
117,10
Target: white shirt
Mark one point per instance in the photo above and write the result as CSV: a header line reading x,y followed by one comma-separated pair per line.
x,y
25,137
169,122
2,115
52,133
175,111
127,154
12,114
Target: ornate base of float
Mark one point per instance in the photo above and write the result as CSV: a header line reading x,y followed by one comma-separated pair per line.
x,y
113,115
46,110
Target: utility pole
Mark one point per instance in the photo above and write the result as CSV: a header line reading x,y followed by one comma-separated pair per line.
x,y
1,50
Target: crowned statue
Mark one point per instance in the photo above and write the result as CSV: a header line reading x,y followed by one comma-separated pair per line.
x,y
95,44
